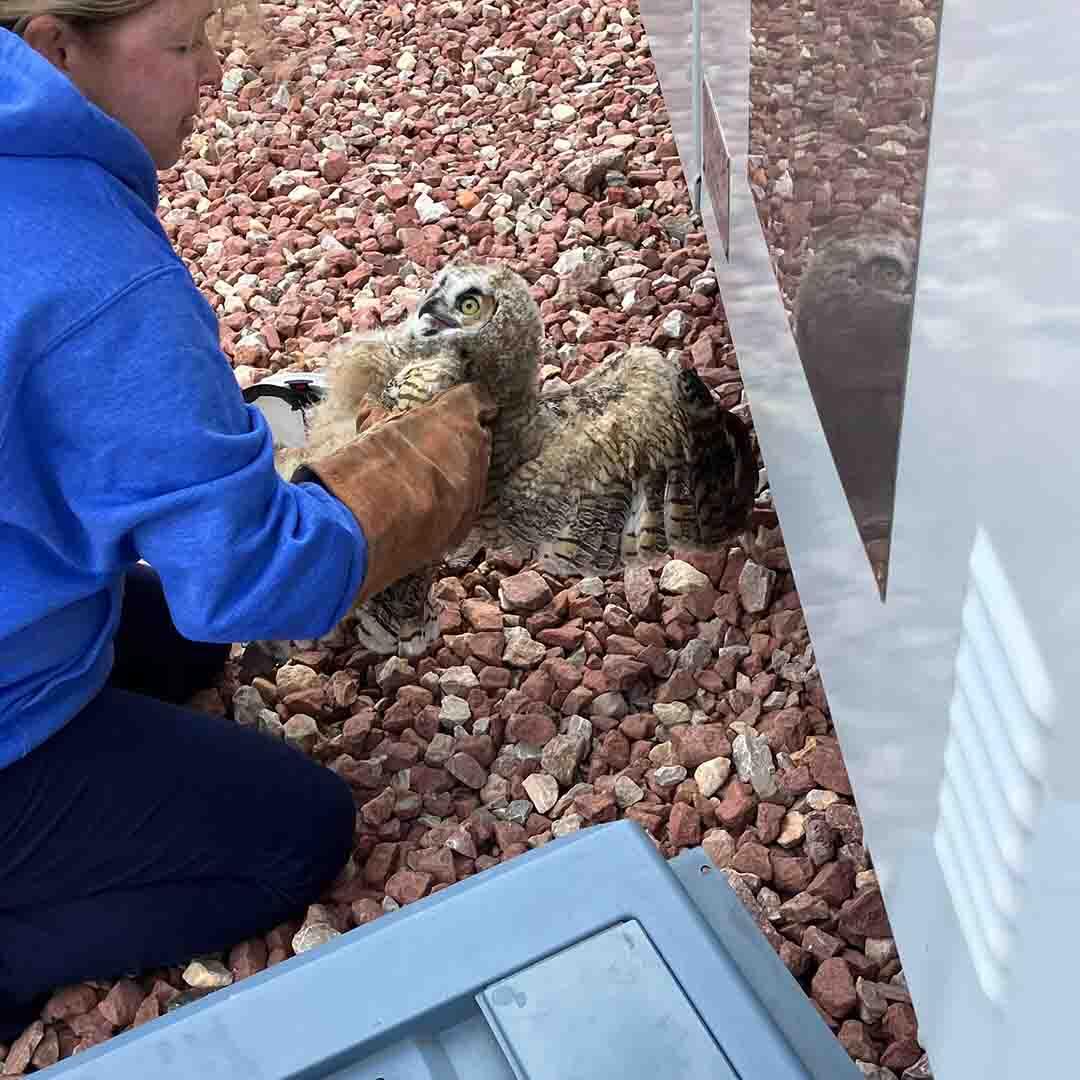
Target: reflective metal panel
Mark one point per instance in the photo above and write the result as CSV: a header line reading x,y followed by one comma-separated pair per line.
x,y
840,103
950,699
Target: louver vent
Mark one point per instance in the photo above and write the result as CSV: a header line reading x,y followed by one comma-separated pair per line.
x,y
994,764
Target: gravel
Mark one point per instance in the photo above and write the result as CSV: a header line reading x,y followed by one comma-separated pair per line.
x,y
683,696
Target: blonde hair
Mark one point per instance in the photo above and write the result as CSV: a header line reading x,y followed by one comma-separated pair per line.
x,y
232,18
16,14
234,23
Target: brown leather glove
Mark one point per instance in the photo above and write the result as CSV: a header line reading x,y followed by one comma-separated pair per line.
x,y
414,480
370,414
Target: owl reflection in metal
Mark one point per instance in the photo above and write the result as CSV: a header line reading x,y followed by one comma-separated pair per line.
x,y
853,327
633,459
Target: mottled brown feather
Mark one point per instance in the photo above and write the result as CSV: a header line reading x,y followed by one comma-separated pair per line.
x,y
633,459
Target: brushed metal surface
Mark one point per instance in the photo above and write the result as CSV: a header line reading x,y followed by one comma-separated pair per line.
x,y
990,395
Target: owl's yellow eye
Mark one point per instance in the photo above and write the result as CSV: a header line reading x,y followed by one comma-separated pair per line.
x,y
469,305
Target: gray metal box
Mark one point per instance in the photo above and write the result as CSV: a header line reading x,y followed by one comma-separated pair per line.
x,y
590,957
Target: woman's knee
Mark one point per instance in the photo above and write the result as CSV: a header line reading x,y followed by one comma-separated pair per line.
x,y
338,815
325,820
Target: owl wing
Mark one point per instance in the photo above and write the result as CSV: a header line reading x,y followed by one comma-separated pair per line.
x,y
420,381
632,460
388,368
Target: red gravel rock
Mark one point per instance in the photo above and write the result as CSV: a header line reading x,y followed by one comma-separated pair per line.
x,y
798,961
596,807
247,958
70,1001
901,1055
48,1050
827,767
436,862
790,873
526,591
753,859
380,864
822,945
533,728
22,1049
334,167
804,908
834,989
857,1042
834,883
770,818
865,915
468,770
92,1027
844,820
122,1002
405,886
736,805
899,1023
785,730
684,826
150,1009
642,593
482,615
365,911
696,744
379,810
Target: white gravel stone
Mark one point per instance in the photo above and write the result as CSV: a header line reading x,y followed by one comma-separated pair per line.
x,y
680,577
429,211
754,761
454,710
521,650
663,754
543,790
670,775
458,680
755,587
569,823
670,714
711,775
313,935
627,792
304,195
439,750
820,799
675,326
792,829
207,974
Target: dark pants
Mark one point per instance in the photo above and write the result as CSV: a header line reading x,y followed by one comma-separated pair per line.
x,y
143,834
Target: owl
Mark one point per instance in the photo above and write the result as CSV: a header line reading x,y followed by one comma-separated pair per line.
x,y
633,459
852,325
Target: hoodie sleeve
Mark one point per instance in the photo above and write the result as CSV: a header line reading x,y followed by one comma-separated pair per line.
x,y
155,455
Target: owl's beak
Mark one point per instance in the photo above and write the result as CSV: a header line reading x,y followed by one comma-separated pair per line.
x,y
433,317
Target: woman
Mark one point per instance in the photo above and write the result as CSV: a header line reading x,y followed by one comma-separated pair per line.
x,y
133,832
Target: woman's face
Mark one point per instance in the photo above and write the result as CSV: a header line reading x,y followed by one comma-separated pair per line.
x,y
144,70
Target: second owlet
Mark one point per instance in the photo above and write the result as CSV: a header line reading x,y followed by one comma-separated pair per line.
x,y
633,459
853,327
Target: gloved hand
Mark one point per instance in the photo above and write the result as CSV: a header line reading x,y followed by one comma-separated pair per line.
x,y
414,480
370,414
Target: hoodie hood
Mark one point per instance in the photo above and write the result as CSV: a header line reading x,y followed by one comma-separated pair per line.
x,y
43,114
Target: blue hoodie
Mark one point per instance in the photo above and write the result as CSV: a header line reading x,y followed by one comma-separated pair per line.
x,y
123,433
